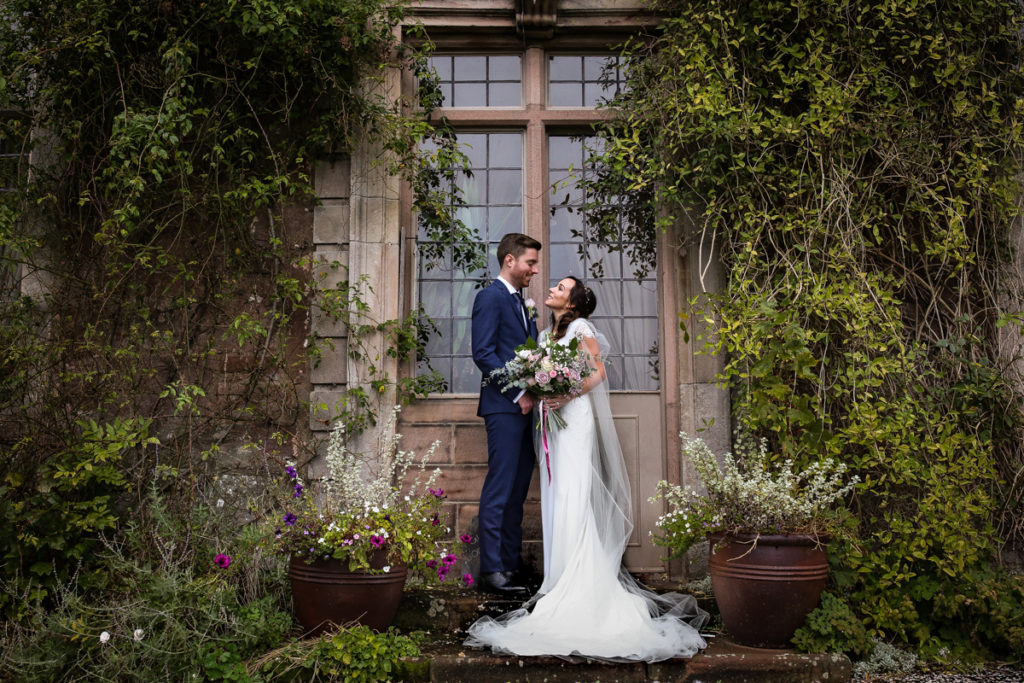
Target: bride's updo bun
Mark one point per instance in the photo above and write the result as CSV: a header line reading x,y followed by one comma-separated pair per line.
x,y
582,303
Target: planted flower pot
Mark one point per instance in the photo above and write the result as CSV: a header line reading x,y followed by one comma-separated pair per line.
x,y
328,595
766,589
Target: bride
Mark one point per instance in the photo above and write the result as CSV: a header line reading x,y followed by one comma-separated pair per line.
x,y
588,605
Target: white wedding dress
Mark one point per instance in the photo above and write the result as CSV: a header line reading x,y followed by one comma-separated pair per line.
x,y
588,605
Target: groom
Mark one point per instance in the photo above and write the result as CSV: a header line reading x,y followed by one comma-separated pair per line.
x,y
500,324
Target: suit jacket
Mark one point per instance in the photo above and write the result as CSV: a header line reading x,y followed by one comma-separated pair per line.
x,y
497,330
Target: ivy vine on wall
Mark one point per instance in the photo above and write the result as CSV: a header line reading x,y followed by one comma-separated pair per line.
x,y
156,252
856,165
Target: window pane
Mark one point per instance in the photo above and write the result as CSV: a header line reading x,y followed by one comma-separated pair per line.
x,y
593,67
505,151
462,298
465,376
595,93
640,374
503,220
608,293
565,223
565,95
443,67
469,95
563,260
640,335
437,341
505,68
479,80
505,187
436,298
493,195
565,68
582,81
641,297
564,152
505,95
627,311
470,68
462,337
474,146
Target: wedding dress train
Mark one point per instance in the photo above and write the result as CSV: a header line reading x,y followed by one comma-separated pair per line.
x,y
588,605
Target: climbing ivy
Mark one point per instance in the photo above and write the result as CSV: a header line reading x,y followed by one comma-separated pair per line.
x,y
154,251
855,167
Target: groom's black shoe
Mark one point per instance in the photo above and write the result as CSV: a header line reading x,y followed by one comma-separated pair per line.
x,y
528,577
501,583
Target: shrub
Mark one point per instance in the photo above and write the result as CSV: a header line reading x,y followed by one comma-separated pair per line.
x,y
857,168
165,607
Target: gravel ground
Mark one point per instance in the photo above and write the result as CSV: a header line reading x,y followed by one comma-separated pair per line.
x,y
991,674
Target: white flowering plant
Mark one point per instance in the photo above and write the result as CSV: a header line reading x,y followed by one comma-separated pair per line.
x,y
751,496
361,514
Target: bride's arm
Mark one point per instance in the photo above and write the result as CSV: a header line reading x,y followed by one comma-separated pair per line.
x,y
595,362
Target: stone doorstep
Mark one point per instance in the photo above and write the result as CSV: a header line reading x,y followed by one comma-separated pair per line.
x,y
723,661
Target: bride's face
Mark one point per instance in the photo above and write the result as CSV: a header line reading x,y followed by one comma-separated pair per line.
x,y
558,296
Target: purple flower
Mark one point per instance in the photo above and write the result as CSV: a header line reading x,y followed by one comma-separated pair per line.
x,y
436,520
222,561
449,560
377,541
289,519
466,538
298,491
431,563
437,492
442,572
468,579
290,471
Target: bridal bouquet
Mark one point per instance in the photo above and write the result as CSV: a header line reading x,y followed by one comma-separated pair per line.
x,y
545,369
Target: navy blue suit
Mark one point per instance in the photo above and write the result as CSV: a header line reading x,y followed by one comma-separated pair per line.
x,y
498,328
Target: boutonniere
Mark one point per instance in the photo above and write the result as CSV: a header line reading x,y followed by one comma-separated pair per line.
x,y
531,308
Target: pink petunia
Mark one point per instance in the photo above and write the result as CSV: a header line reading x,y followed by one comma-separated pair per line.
x,y
223,561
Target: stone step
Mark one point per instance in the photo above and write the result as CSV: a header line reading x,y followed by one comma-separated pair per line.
x,y
722,662
446,613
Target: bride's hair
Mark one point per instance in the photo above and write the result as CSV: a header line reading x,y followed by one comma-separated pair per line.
x,y
582,303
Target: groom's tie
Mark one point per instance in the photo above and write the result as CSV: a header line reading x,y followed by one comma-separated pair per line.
x,y
522,308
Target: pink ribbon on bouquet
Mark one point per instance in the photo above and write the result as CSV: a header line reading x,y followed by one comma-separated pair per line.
x,y
544,436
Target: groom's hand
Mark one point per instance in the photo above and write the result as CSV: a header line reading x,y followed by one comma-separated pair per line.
x,y
526,403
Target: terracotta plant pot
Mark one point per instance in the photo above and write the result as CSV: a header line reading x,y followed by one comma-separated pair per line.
x,y
326,594
766,590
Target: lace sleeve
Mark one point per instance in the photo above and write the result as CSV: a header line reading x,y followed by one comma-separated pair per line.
x,y
581,328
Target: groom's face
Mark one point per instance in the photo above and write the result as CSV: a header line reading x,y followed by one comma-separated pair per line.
x,y
521,269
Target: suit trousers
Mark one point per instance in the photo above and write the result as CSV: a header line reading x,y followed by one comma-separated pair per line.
x,y
510,462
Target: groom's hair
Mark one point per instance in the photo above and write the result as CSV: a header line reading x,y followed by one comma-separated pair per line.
x,y
515,243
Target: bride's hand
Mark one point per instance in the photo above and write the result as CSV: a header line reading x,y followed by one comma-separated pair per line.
x,y
556,402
